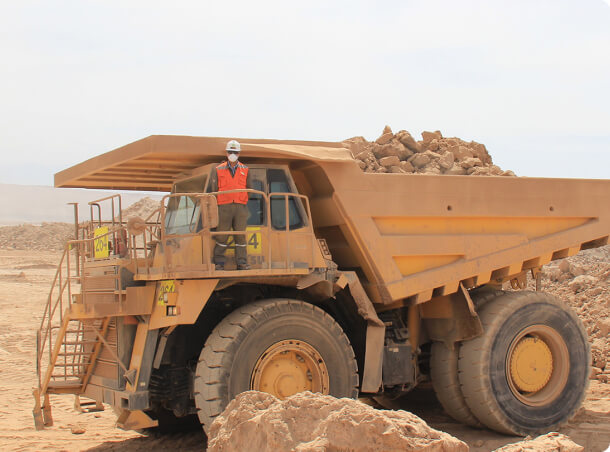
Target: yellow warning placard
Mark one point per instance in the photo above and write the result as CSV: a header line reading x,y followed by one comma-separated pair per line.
x,y
166,286
100,244
253,240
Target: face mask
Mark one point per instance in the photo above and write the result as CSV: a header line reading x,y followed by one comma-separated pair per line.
x,y
232,158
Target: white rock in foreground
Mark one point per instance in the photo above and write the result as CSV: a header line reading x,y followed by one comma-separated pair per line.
x,y
309,422
551,442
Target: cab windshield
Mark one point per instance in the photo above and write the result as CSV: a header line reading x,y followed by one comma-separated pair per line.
x,y
182,212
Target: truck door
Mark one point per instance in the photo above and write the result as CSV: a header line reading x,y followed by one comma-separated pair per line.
x,y
291,235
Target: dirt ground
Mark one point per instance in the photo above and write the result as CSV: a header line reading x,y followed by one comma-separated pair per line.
x,y
25,278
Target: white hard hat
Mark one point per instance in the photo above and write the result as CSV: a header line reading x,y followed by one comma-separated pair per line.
x,y
234,146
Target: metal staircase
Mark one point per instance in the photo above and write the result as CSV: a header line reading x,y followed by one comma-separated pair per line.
x,y
67,347
71,336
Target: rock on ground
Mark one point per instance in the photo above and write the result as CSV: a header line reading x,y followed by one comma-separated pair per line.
x,y
142,208
308,422
551,442
44,237
53,236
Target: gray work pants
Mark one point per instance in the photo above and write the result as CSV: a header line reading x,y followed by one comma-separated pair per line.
x,y
231,216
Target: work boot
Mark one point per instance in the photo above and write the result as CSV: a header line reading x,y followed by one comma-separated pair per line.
x,y
219,267
243,266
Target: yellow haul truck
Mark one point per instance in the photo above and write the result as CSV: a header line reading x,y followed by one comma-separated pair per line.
x,y
359,284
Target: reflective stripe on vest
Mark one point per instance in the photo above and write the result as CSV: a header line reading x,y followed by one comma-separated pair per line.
x,y
227,182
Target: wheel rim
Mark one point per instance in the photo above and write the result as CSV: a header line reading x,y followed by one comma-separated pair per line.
x,y
538,365
289,367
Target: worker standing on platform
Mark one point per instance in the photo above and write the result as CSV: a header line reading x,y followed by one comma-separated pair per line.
x,y
232,207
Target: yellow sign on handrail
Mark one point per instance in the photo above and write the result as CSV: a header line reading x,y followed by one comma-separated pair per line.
x,y
101,243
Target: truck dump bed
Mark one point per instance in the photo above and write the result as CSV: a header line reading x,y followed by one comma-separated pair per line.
x,y
420,235
407,235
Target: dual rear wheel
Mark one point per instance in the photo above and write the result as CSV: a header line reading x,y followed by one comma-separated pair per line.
x,y
527,373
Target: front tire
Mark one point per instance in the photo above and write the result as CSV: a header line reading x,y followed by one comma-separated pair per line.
x,y
528,372
278,346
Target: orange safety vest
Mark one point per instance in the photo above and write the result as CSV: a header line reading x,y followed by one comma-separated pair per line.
x,y
227,182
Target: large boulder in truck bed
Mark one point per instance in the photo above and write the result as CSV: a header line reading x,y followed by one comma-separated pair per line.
x,y
434,154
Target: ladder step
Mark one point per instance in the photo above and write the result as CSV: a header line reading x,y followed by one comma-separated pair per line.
x,y
64,384
89,330
74,354
78,342
83,364
113,290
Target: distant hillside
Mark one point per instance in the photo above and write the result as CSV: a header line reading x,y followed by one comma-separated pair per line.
x,y
38,204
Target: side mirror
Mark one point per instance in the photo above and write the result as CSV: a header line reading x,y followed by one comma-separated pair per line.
x,y
209,211
136,225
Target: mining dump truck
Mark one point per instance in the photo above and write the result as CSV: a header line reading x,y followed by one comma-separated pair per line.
x,y
359,284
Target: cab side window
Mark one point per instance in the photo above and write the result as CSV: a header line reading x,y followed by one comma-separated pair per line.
x,y
256,203
278,183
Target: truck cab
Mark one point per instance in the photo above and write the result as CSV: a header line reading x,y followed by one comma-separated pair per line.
x,y
279,234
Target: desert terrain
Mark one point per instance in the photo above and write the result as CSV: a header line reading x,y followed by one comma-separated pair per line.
x,y
25,277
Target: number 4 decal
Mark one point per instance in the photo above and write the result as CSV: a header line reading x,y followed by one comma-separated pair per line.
x,y
255,245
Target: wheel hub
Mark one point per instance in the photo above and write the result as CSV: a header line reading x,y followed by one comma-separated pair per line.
x,y
289,367
531,364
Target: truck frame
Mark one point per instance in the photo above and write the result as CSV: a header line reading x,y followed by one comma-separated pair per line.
x,y
359,284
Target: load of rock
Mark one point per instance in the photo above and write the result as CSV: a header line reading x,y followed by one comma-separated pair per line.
x,y
314,422
433,154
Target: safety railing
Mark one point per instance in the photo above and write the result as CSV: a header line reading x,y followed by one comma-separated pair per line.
x,y
195,225
144,234
116,212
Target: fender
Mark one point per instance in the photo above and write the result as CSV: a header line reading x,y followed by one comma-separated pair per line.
x,y
375,332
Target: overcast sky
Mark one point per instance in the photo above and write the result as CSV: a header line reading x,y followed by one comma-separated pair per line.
x,y
529,79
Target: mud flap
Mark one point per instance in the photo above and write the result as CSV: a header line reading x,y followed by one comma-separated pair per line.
x,y
451,318
375,332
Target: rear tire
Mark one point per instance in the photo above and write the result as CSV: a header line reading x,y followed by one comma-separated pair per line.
x,y
445,381
444,369
244,350
528,372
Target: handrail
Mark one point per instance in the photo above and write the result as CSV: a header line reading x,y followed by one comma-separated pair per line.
x,y
303,208
146,234
97,202
199,195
